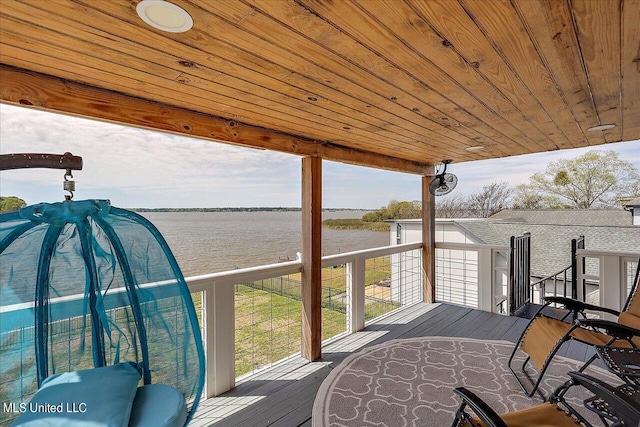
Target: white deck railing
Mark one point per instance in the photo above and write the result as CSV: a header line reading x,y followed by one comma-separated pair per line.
x,y
472,275
477,276
365,284
466,274
606,278
219,307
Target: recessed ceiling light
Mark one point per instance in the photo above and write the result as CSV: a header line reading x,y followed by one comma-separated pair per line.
x,y
475,148
600,127
164,16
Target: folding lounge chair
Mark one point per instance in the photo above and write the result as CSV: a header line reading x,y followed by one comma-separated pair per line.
x,y
618,406
624,362
544,335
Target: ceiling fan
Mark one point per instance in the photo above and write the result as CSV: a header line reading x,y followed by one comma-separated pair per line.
x,y
443,183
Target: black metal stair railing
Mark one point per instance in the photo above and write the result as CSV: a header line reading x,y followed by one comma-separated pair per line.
x,y
553,281
521,289
519,271
562,278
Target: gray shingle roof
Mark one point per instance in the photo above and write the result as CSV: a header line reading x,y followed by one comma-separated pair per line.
x,y
606,217
634,202
551,244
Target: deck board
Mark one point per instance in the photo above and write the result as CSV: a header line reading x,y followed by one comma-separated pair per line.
x,y
283,396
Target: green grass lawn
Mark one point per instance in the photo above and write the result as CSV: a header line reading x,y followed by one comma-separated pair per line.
x,y
355,224
268,327
268,313
376,270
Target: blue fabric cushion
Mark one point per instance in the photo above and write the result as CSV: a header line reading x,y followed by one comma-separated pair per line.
x,y
158,405
99,397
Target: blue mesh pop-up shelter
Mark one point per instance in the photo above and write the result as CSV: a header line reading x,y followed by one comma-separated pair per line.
x,y
90,293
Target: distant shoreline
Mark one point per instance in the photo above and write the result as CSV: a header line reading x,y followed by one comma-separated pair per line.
x,y
336,224
356,224
254,209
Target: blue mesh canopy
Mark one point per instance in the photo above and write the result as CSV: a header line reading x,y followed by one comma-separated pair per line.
x,y
84,284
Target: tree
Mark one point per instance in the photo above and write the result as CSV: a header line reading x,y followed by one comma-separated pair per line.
x,y
11,203
598,179
527,198
452,207
395,210
491,199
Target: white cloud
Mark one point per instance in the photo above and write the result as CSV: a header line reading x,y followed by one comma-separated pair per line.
x,y
135,167
138,168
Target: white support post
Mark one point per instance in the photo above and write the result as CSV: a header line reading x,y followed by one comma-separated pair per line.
x,y
485,280
219,338
499,277
580,261
611,295
355,294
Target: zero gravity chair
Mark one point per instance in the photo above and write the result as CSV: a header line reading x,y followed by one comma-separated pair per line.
x,y
544,335
97,325
612,406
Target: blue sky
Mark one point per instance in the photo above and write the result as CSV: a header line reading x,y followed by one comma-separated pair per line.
x,y
138,168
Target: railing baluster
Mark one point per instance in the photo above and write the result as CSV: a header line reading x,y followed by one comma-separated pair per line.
x,y
355,294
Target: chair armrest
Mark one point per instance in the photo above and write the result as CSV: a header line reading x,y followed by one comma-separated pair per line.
x,y
614,329
624,362
578,306
488,416
623,400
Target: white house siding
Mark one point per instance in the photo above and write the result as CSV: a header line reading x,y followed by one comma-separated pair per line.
x,y
456,270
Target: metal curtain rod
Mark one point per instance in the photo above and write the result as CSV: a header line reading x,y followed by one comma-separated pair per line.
x,y
37,160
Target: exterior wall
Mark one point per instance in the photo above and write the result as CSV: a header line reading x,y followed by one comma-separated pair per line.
x,y
446,231
636,215
456,270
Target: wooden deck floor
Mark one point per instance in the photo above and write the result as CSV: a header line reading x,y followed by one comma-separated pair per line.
x,y
284,395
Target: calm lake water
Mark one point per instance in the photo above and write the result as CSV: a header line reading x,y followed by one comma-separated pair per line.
x,y
207,242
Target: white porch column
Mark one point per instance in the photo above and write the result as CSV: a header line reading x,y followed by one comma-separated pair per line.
x,y
219,338
486,290
611,294
355,294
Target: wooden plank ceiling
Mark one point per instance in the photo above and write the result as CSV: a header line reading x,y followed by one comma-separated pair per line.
x,y
392,84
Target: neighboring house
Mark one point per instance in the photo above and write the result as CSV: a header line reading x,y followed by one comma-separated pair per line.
x,y
551,235
634,207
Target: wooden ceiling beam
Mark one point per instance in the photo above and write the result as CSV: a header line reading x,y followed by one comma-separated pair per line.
x,y
45,92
